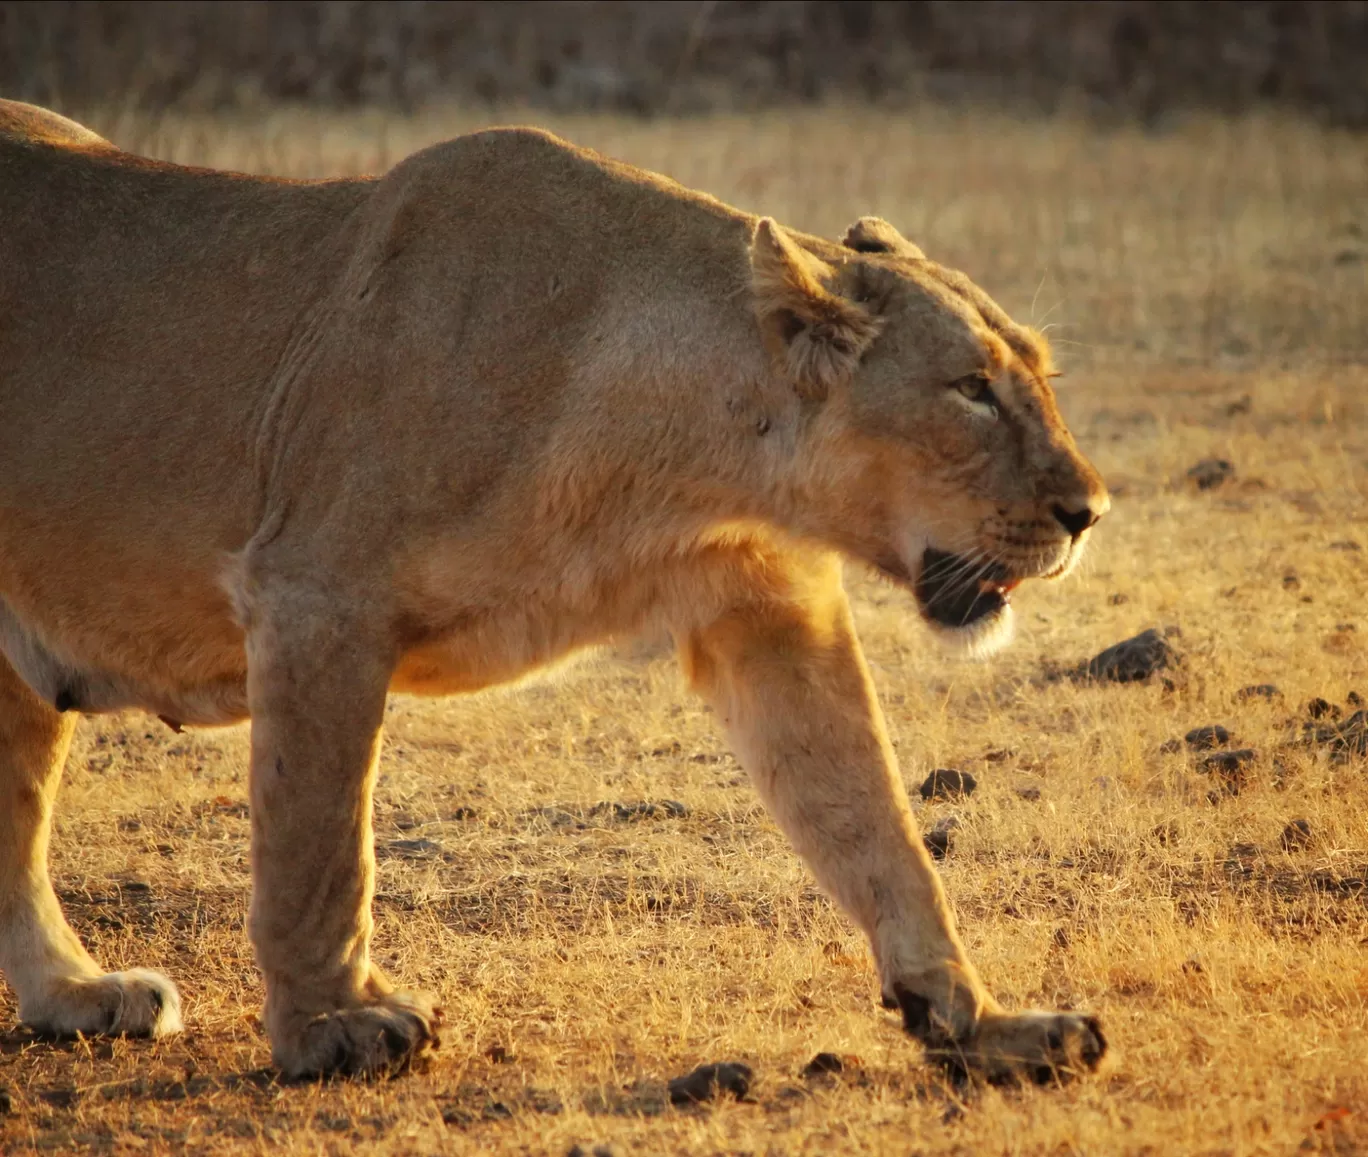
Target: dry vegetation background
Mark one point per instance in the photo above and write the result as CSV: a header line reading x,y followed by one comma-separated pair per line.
x,y
1206,289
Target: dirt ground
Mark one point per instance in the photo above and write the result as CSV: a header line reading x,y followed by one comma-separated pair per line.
x,y
1206,290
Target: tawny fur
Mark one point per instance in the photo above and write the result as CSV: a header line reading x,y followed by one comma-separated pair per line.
x,y
274,449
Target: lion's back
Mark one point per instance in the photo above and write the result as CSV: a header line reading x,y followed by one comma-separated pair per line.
x,y
31,124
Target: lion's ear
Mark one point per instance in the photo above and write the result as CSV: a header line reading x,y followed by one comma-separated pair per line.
x,y
875,235
819,335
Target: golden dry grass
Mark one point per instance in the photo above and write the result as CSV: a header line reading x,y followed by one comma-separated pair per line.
x,y
1209,292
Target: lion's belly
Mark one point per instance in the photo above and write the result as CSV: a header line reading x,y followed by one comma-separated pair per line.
x,y
145,649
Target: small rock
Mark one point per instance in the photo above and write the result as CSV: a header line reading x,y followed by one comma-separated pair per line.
x,y
1319,708
1296,836
1118,599
414,849
1348,257
1257,691
1131,660
1229,767
648,809
947,783
823,1063
1342,739
1165,833
605,1149
557,817
496,1111
1346,544
499,1055
1028,792
709,1081
6,1104
941,838
1207,738
1354,699
1210,473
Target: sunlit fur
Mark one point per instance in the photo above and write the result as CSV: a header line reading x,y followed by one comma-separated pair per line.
x,y
431,431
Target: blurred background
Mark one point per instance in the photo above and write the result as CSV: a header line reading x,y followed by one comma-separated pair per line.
x,y
1161,182
1140,58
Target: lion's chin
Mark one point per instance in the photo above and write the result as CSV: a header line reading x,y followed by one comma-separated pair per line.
x,y
985,636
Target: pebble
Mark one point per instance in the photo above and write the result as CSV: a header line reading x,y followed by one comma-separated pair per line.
x,y
947,783
823,1063
707,1082
941,838
1207,738
1210,473
1296,836
1131,660
1229,767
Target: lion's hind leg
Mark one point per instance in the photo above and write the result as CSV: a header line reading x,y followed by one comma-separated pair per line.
x,y
61,990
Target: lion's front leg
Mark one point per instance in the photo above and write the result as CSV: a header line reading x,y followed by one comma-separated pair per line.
x,y
317,675
786,676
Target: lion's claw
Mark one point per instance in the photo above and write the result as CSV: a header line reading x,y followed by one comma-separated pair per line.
x,y
138,1002
1007,1048
379,1039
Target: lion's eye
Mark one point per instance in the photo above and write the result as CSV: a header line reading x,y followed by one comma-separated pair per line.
x,y
977,389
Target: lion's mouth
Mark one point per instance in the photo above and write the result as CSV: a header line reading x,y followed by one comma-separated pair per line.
x,y
955,591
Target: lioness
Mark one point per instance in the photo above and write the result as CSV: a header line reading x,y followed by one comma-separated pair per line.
x,y
273,449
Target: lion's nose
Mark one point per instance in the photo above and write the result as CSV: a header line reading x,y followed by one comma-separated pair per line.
x,y
1077,521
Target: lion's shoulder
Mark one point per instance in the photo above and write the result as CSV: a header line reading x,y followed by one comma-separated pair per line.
x,y
30,124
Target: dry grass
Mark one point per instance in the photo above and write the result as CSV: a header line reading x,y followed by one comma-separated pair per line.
x,y
1209,288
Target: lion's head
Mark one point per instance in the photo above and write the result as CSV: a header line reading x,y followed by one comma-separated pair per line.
x,y
936,451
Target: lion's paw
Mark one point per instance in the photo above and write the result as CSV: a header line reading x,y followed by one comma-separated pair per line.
x,y
1044,1047
138,1002
377,1039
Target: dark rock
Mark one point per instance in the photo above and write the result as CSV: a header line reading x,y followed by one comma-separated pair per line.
x,y
1118,599
1166,833
1346,544
1210,473
1257,691
1342,739
643,809
1207,738
1354,699
1319,708
947,783
496,1111
499,1055
707,1082
1296,836
557,817
823,1063
1132,660
1029,792
606,1149
414,849
941,838
1229,767
6,1104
